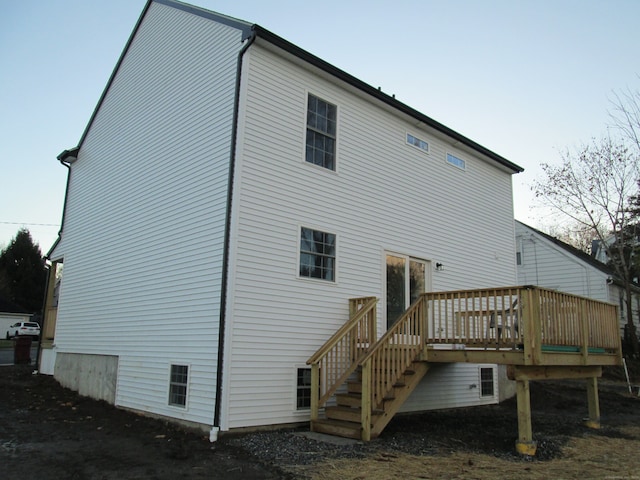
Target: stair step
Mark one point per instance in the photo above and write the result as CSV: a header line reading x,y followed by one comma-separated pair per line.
x,y
347,414
343,413
349,399
354,387
337,427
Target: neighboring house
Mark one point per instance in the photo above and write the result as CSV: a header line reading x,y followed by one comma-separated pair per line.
x,y
545,261
600,253
229,195
11,313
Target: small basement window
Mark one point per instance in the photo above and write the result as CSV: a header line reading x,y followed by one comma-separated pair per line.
x,y
418,143
486,382
178,385
303,389
456,162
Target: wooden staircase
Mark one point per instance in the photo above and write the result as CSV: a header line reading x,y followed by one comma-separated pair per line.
x,y
361,382
369,385
344,418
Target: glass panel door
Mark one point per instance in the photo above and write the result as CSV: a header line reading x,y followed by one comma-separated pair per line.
x,y
417,279
396,280
406,280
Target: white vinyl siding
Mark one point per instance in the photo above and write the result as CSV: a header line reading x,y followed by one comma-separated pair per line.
x,y
144,228
547,265
384,196
550,266
450,386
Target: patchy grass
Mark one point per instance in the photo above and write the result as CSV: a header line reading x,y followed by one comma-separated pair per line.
x,y
588,457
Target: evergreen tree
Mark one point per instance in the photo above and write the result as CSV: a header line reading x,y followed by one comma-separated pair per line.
x,y
23,272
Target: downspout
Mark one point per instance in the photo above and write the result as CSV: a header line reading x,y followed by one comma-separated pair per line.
x,y
44,319
213,435
62,158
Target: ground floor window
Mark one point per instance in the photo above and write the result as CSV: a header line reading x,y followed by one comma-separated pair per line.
x,y
303,389
317,254
178,385
486,382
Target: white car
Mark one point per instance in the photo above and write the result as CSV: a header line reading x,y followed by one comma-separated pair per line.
x,y
21,329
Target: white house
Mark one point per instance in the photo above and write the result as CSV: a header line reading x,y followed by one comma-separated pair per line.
x,y
548,262
230,194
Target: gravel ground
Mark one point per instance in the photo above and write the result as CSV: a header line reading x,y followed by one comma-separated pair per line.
x,y
68,436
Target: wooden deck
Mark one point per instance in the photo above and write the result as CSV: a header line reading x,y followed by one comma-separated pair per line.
x,y
540,334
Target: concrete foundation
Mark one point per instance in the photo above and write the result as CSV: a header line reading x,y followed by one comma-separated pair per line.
x,y
47,360
506,387
93,376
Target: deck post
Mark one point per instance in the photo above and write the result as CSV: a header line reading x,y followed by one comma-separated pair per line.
x,y
525,444
315,392
365,406
594,404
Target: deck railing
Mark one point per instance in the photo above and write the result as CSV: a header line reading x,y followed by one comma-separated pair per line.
x,y
338,358
389,360
529,318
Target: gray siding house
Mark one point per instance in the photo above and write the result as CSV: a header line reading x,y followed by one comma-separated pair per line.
x,y
548,262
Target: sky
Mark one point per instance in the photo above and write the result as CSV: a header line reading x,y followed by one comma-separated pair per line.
x,y
526,79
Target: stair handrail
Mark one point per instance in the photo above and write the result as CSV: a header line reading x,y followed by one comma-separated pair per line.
x,y
338,358
390,357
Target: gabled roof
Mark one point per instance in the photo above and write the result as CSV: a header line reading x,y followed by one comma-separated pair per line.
x,y
583,256
253,30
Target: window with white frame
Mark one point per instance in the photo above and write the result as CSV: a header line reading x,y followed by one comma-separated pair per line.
x,y
178,383
317,254
456,161
486,382
303,389
417,142
321,133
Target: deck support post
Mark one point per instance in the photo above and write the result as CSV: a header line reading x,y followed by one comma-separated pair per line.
x,y
594,404
525,444
366,407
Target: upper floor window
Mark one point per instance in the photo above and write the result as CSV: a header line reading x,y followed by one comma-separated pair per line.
x,y
317,254
321,133
456,162
417,142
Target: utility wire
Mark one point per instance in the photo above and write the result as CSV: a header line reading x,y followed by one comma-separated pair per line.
x,y
33,224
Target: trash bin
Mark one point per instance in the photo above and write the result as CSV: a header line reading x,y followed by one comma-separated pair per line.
x,y
22,350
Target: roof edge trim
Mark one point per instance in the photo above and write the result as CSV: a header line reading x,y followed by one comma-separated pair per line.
x,y
374,92
246,27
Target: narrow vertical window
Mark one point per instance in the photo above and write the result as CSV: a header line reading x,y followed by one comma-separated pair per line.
x,y
303,389
518,250
178,385
317,254
486,382
321,133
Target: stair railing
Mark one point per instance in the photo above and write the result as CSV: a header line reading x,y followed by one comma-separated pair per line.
x,y
389,359
338,358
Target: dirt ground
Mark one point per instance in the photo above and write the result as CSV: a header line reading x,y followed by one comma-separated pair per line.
x,y
47,432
